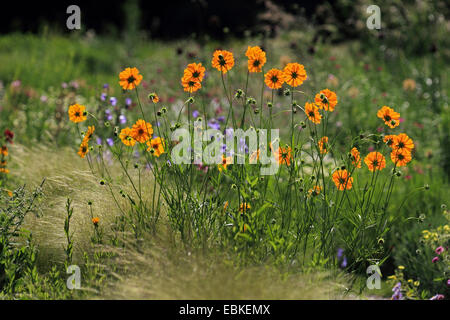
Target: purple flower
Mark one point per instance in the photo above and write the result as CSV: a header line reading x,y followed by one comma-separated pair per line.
x,y
438,297
105,86
397,295
103,96
122,119
99,140
195,114
110,142
344,262
128,102
340,252
213,124
221,119
108,115
439,250
448,283
64,85
113,101
435,259
229,132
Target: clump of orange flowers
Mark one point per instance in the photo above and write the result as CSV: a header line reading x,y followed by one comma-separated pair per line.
x,y
389,116
222,60
156,146
284,156
256,59
193,77
141,131
77,113
130,78
126,137
375,161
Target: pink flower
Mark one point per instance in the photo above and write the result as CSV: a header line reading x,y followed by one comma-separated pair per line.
x,y
439,250
371,148
401,120
380,129
408,177
435,259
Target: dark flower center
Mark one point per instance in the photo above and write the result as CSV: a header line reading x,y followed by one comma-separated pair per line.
x,y
311,113
274,79
387,118
401,157
256,63
77,114
196,74
375,163
294,75
141,131
131,79
401,145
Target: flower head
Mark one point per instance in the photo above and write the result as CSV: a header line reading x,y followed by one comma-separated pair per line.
x,y
130,78
342,180
375,161
294,74
88,135
126,137
326,99
4,151
244,207
222,60
141,131
225,162
389,140
157,145
189,84
194,72
439,250
402,141
274,78
95,220
77,113
312,112
284,156
401,157
256,59
84,149
356,158
389,116
323,145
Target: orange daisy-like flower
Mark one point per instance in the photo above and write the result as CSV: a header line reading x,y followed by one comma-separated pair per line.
x,y
326,99
284,156
315,191
88,134
4,151
323,145
225,162
190,85
4,170
126,137
141,131
84,149
194,72
77,113
356,158
274,79
342,180
401,157
95,220
294,74
375,161
389,139
157,145
130,78
222,60
402,141
389,116
312,112
256,59
153,97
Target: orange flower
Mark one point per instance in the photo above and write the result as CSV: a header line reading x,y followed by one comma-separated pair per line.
x,y
95,220
194,72
244,207
4,170
84,149
326,99
389,139
126,137
401,157
190,85
342,180
284,156
157,145
153,97
389,116
77,113
4,151
356,158
323,145
130,78
256,59
141,131
315,191
312,111
88,134
225,162
294,74
402,141
274,78
375,161
222,60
